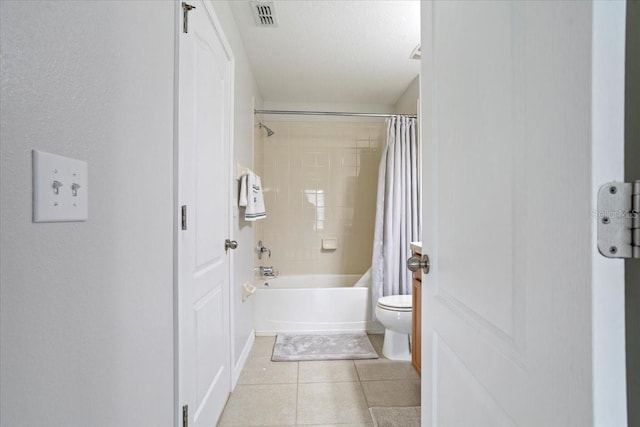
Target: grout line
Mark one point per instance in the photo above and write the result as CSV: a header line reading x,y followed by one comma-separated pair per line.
x,y
357,372
362,388
365,396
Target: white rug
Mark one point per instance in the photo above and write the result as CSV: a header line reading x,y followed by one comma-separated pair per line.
x,y
334,346
396,417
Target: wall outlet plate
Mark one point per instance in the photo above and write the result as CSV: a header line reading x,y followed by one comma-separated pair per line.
x,y
60,188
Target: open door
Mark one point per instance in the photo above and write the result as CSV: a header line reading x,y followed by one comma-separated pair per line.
x,y
522,120
205,93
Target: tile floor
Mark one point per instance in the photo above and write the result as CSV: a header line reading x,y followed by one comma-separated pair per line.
x,y
331,393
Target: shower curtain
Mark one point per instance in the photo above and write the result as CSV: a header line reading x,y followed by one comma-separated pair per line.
x,y
398,209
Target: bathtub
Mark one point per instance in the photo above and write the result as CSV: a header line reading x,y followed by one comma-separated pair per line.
x,y
314,303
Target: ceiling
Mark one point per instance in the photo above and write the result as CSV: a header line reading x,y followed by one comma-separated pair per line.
x,y
324,51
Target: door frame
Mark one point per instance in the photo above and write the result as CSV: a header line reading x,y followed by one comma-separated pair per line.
x,y
607,281
230,108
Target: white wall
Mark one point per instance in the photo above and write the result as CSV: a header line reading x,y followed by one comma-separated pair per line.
x,y
408,101
246,93
87,307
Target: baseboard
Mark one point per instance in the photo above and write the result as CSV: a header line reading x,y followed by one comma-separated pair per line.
x,y
237,369
372,328
275,327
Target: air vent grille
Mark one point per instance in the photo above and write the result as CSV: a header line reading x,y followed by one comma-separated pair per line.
x,y
264,13
416,54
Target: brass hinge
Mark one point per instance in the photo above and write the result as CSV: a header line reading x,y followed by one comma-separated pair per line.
x,y
618,217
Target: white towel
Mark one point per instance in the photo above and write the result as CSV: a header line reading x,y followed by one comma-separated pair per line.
x,y
251,197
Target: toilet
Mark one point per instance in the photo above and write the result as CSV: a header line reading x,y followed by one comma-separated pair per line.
x,y
394,313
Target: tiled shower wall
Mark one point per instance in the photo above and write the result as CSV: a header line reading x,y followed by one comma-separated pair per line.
x,y
320,181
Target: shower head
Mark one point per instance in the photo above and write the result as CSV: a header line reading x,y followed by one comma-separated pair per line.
x,y
269,131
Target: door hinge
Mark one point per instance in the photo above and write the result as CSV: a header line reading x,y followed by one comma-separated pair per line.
x,y
185,16
185,416
183,221
618,217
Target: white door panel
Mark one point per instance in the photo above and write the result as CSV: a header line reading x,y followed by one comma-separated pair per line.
x,y
209,322
506,92
487,190
203,174
464,401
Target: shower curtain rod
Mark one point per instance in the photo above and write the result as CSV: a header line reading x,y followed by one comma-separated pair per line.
x,y
330,113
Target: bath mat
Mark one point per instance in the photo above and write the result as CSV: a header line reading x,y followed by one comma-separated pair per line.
x,y
338,346
396,417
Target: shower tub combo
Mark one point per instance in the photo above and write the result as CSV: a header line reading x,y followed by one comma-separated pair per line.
x,y
314,303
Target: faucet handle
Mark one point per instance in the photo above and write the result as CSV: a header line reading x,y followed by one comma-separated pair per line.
x,y
268,271
262,249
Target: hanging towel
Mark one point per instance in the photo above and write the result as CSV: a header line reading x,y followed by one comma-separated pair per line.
x,y
251,197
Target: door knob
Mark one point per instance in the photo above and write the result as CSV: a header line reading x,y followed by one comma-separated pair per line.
x,y
416,263
230,244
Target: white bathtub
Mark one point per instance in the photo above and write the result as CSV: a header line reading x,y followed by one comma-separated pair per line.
x,y
318,303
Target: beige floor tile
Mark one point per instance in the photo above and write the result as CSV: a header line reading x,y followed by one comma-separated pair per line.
x,y
261,370
408,416
384,369
340,425
260,405
328,394
327,371
263,346
392,393
332,403
377,340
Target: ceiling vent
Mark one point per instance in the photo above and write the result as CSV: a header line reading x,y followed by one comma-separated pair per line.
x,y
264,13
416,54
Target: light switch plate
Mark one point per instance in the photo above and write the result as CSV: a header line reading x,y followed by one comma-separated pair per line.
x,y
67,202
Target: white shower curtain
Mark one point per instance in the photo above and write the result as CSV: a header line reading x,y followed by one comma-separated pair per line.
x,y
398,209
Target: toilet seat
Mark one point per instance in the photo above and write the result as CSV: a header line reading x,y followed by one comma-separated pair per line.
x,y
401,303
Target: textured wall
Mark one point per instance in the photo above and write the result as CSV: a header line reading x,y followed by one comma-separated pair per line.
x,y
320,180
87,307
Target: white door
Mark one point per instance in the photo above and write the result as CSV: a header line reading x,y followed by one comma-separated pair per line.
x,y
204,118
523,321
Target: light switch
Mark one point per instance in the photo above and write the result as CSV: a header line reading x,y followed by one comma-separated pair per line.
x,y
60,188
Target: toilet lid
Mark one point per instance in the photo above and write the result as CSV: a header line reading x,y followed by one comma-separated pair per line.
x,y
396,302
